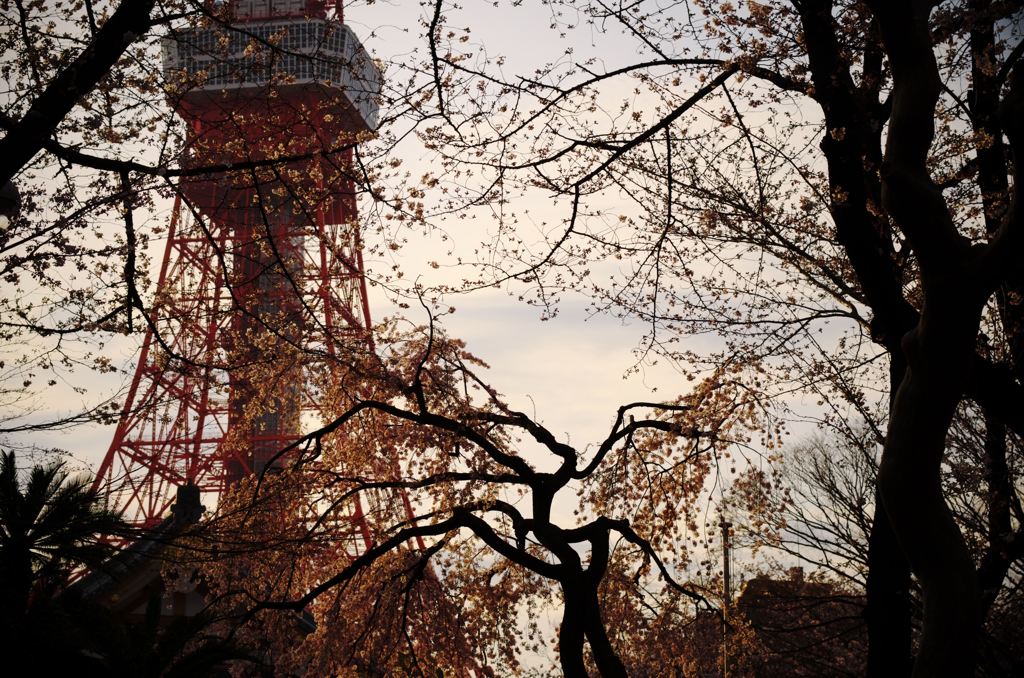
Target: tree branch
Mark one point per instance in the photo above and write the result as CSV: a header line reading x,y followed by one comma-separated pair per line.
x,y
26,137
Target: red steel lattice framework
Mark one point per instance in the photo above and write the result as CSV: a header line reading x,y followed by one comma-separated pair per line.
x,y
261,287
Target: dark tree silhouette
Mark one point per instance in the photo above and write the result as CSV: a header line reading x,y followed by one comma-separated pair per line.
x,y
50,524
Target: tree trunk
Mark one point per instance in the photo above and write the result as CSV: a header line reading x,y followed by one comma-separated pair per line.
x,y
887,612
608,662
888,601
938,353
570,634
956,278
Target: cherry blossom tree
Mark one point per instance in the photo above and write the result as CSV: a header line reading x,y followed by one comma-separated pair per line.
x,y
503,535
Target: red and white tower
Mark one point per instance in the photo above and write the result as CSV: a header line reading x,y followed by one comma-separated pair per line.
x,y
261,294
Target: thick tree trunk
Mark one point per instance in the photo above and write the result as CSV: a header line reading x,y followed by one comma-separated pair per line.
x,y
956,278
570,634
888,612
581,618
938,354
888,601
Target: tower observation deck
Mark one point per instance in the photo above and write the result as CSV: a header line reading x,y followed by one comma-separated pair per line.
x,y
261,298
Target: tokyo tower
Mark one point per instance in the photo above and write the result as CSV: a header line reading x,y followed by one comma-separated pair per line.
x,y
261,291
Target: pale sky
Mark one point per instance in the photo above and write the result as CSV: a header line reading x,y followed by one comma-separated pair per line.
x,y
572,371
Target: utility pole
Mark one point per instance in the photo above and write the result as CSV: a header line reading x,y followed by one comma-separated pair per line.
x,y
726,594
726,564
